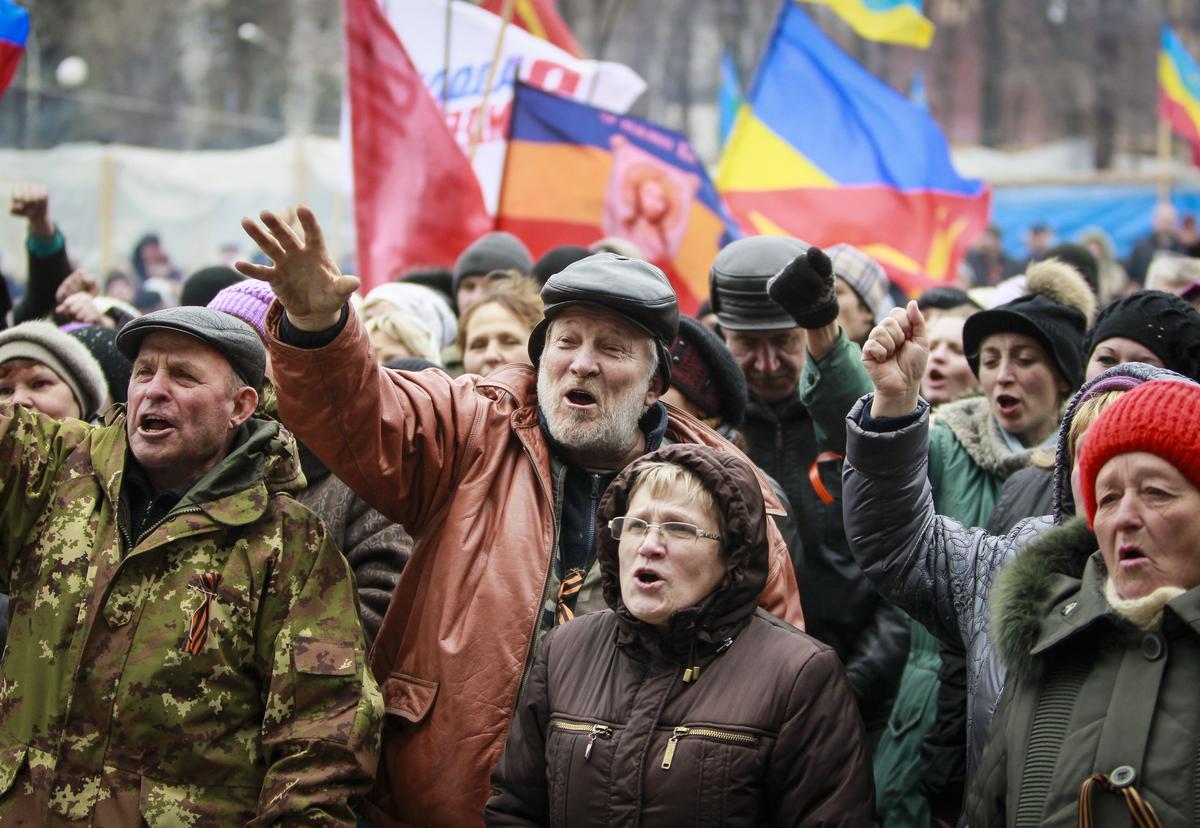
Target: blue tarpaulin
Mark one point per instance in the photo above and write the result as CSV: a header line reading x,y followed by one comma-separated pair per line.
x,y
1121,210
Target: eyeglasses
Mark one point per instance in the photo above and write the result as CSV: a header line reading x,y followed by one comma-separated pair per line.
x,y
636,529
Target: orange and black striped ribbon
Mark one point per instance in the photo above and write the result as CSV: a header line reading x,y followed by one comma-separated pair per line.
x,y
198,628
572,582
1141,812
814,475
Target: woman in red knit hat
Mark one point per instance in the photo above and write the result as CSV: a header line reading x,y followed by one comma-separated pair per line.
x,y
1099,624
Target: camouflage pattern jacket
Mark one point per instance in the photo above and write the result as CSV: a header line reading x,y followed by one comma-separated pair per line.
x,y
211,672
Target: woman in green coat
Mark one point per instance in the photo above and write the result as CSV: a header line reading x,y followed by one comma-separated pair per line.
x,y
1100,631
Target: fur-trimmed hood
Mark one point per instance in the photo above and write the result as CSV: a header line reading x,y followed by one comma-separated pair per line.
x,y
1051,566
972,423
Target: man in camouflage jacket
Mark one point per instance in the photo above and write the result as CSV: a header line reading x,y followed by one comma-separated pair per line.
x,y
185,646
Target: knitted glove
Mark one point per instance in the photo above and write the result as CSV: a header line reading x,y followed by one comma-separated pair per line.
x,y
804,288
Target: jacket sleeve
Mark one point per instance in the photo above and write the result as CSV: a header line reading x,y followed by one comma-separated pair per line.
x,y
32,449
377,550
48,266
394,438
829,387
822,721
323,710
933,568
877,662
781,594
519,779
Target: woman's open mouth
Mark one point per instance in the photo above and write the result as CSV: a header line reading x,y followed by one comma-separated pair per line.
x,y
1129,556
1008,405
646,578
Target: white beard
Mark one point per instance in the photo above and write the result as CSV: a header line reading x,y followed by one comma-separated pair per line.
x,y
611,431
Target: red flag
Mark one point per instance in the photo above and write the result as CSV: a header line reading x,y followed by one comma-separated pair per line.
x,y
539,18
416,200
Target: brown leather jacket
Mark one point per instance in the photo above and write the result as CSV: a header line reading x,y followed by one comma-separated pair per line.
x,y
613,731
463,465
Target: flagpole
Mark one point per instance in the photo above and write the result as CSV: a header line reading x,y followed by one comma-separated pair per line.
x,y
447,25
1164,157
477,135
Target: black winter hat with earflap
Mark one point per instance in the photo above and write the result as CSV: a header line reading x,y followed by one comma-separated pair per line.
x,y
1055,313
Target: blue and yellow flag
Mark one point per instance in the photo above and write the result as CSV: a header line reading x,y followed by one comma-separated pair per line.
x,y
824,151
889,21
1179,90
575,174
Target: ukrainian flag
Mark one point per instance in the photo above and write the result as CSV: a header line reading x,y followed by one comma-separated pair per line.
x,y
1179,90
890,21
824,151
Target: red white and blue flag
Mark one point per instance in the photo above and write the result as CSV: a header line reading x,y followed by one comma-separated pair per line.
x,y
14,31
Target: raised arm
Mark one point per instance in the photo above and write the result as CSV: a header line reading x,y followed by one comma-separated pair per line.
x,y
933,568
396,439
47,253
833,377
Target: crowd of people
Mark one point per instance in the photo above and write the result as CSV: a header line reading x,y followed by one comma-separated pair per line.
x,y
518,543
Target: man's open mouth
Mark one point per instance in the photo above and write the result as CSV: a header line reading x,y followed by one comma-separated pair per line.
x,y
577,396
153,423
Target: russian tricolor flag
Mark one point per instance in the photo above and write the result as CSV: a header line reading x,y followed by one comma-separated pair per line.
x,y
14,31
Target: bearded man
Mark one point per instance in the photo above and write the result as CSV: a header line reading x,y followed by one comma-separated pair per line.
x,y
498,481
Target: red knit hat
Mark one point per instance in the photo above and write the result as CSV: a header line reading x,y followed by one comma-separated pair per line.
x,y
1160,418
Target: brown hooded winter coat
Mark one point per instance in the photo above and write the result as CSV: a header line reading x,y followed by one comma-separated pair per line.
x,y
610,733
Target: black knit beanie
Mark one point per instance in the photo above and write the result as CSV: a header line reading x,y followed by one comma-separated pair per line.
x,y
556,259
1167,326
102,343
202,286
705,372
1057,328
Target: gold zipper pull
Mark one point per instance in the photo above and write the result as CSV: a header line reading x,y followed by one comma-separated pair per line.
x,y
677,734
597,730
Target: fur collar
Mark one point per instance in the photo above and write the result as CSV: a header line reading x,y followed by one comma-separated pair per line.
x,y
1019,598
971,421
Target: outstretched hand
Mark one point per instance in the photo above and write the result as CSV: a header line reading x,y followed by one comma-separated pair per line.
x,y
302,273
895,355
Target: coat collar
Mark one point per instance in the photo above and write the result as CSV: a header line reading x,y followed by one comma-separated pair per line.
x,y
1053,591
972,423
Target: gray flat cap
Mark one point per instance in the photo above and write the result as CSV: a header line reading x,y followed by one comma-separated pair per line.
x,y
233,338
738,282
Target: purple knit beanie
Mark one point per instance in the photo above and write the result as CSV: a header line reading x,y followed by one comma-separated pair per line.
x,y
248,300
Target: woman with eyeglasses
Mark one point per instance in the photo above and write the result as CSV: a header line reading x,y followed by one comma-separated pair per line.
x,y
683,703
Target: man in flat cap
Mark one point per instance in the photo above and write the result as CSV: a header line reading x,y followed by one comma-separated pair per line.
x,y
185,647
497,479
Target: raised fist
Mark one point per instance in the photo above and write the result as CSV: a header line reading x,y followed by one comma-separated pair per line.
x,y
895,355
32,202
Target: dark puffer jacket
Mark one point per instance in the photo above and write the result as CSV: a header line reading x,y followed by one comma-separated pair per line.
x,y
841,607
609,732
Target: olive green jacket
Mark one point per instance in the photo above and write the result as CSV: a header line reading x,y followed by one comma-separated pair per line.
x,y
211,672
1087,693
